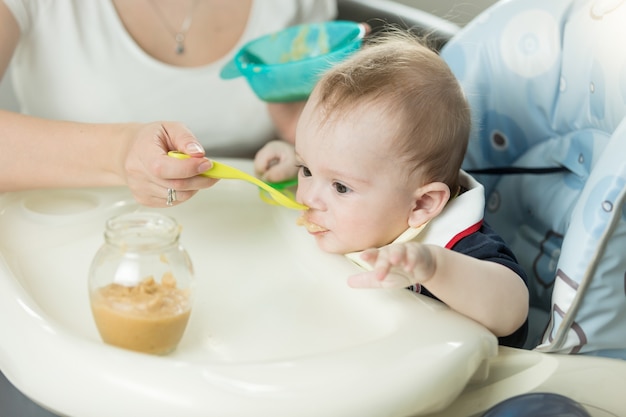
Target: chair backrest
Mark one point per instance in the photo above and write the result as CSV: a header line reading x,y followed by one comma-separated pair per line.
x,y
381,13
546,81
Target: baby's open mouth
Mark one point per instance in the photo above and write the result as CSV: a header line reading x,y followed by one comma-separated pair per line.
x,y
310,227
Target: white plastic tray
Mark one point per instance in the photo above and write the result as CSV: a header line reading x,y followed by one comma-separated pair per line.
x,y
275,330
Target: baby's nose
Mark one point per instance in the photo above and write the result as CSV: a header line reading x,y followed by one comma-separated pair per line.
x,y
309,196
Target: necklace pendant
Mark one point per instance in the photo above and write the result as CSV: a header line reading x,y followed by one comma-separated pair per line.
x,y
179,36
180,43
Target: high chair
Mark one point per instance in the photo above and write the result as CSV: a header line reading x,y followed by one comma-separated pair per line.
x,y
382,13
547,86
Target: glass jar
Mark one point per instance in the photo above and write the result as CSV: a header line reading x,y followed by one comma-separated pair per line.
x,y
140,283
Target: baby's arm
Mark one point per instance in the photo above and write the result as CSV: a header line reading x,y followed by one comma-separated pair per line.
x,y
285,118
487,292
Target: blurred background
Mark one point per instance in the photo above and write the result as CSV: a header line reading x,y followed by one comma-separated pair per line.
x,y
456,11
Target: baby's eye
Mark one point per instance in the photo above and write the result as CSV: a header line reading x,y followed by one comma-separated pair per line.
x,y
340,188
304,170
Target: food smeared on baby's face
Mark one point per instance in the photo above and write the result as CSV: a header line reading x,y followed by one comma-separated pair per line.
x,y
310,226
149,317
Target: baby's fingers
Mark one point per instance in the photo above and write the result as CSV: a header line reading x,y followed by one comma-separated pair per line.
x,y
390,257
378,260
267,156
364,280
281,170
369,255
396,254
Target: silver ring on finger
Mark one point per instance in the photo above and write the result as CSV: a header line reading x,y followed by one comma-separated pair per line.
x,y
171,197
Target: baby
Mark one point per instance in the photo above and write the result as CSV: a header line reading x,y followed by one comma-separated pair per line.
x,y
378,153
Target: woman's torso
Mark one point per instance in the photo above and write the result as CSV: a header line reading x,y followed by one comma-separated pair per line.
x,y
77,61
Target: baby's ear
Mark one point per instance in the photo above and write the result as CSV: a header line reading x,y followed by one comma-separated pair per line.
x,y
429,201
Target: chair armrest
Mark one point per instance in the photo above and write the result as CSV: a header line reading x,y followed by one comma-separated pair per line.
x,y
378,13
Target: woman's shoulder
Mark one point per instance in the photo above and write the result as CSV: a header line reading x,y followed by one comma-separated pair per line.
x,y
29,13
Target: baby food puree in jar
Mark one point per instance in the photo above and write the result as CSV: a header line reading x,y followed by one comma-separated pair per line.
x,y
149,317
140,284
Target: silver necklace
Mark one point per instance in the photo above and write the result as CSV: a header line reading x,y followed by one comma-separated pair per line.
x,y
179,35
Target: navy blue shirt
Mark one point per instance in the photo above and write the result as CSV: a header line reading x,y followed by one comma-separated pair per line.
x,y
487,245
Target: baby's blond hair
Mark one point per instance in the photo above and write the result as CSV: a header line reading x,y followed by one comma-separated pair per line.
x,y
414,86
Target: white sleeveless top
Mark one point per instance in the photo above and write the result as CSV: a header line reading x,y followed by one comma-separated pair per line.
x,y
76,61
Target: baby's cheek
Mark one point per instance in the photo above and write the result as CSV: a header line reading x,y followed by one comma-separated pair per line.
x,y
353,238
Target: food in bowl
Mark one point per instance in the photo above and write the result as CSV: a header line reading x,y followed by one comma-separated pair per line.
x,y
285,66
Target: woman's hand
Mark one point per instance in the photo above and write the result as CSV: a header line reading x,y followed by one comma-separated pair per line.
x,y
149,172
276,161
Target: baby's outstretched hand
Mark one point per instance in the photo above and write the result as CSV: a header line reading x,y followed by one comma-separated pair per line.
x,y
276,161
396,266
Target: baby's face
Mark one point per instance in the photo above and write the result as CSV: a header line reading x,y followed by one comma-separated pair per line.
x,y
360,195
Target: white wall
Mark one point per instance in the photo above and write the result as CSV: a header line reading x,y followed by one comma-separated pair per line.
x,y
453,10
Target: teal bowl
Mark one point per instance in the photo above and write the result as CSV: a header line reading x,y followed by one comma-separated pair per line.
x,y
284,66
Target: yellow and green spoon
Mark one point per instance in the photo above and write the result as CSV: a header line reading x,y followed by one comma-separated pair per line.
x,y
223,171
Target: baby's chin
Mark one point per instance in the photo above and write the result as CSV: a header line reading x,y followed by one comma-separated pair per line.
x,y
330,245
326,240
